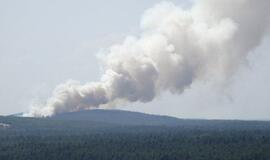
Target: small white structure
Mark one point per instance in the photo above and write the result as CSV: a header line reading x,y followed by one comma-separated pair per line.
x,y
4,125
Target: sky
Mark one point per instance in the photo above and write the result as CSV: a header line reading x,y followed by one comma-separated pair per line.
x,y
45,43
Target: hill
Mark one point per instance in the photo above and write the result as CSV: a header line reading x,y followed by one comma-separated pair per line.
x,y
93,121
123,135
119,117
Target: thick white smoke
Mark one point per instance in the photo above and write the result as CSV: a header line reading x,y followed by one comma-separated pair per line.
x,y
176,47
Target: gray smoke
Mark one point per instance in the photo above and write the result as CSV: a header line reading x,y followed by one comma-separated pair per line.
x,y
176,47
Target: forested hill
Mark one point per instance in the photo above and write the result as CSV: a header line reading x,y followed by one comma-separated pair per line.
x,y
93,120
119,117
122,135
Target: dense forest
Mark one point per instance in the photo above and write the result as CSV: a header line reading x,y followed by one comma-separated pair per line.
x,y
54,139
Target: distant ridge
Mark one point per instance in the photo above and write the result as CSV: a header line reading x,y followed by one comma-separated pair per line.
x,y
119,120
16,115
118,117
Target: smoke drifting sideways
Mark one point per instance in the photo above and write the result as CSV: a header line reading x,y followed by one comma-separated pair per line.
x,y
176,47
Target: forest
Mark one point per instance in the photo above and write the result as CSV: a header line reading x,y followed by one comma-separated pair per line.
x,y
54,139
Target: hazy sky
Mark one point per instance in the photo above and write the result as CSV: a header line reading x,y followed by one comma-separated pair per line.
x,y
44,43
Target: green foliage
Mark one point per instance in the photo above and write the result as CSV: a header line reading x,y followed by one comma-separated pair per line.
x,y
41,139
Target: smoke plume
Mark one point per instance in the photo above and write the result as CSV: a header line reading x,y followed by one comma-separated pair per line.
x,y
176,47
